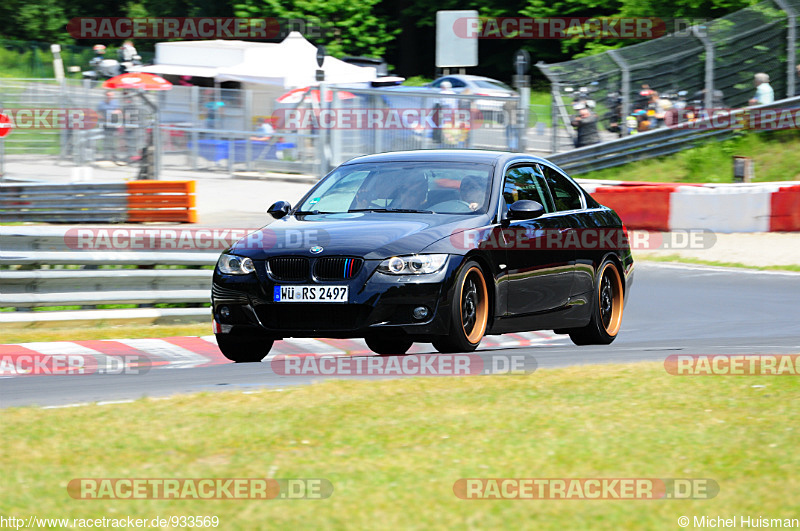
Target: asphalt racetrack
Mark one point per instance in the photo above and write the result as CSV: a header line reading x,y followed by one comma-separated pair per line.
x,y
672,309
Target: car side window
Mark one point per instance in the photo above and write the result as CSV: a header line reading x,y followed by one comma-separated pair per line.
x,y
565,195
457,83
526,182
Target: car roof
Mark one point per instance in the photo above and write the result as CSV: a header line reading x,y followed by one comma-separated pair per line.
x,y
447,155
469,77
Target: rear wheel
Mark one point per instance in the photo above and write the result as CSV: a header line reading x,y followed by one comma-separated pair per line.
x,y
388,345
244,348
607,311
469,312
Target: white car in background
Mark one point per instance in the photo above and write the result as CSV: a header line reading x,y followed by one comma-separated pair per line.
x,y
479,86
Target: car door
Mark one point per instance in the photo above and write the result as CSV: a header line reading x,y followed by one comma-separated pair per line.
x,y
540,270
570,204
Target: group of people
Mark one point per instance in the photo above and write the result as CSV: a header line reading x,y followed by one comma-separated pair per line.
x,y
653,111
105,67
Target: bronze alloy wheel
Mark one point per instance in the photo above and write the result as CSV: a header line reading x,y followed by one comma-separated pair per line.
x,y
469,312
474,305
606,317
610,299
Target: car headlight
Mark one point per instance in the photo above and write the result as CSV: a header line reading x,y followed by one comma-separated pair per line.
x,y
230,264
418,264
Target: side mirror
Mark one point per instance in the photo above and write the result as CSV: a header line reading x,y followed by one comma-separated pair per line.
x,y
525,209
279,209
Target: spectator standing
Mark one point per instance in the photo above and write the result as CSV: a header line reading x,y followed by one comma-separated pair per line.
x,y
110,119
585,123
764,94
511,116
127,53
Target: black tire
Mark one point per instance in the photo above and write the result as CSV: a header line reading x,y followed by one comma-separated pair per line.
x,y
469,312
607,309
389,345
244,349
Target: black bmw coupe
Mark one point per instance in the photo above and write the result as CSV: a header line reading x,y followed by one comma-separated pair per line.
x,y
439,246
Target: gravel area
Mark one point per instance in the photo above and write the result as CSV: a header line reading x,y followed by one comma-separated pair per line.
x,y
749,248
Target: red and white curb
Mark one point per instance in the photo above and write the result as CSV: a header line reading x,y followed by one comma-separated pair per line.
x,y
190,352
741,207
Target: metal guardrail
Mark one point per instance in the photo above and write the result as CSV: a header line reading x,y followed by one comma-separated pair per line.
x,y
32,276
659,142
134,201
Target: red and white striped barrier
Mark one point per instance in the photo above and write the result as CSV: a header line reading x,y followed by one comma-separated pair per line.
x,y
110,356
751,207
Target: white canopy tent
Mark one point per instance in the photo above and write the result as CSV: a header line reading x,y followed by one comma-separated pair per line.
x,y
289,64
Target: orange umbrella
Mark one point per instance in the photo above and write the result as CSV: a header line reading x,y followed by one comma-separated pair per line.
x,y
137,80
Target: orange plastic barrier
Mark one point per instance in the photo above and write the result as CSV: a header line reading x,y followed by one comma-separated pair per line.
x,y
640,207
171,201
785,209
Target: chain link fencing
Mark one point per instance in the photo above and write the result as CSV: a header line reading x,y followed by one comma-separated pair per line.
x,y
706,66
247,131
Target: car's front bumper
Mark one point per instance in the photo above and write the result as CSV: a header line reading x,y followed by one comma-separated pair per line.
x,y
244,304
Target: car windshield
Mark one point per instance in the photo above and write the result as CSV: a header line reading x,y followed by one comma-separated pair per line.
x,y
496,85
425,187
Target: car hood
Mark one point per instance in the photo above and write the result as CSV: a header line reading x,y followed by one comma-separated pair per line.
x,y
372,235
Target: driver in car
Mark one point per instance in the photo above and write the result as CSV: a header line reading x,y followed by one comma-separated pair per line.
x,y
473,191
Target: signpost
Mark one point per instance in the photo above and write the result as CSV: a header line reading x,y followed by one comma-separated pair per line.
x,y
522,65
454,50
322,141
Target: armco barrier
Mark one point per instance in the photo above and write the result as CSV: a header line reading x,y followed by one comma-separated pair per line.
x,y
132,202
40,268
172,201
729,209
785,209
639,207
751,207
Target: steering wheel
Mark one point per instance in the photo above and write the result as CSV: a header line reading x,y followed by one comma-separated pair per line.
x,y
452,205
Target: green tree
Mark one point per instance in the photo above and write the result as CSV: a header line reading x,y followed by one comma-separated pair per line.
x,y
348,27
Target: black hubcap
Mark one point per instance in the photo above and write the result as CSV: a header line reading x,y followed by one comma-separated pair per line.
x,y
606,300
469,305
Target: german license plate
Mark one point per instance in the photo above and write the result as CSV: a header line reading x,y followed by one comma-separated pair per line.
x,y
310,294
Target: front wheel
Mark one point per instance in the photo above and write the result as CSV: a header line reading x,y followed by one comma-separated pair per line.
x,y
469,312
607,311
244,348
388,345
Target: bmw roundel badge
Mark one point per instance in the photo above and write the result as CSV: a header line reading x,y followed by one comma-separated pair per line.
x,y
316,249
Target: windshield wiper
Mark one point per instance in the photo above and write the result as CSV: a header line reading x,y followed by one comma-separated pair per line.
x,y
314,212
402,210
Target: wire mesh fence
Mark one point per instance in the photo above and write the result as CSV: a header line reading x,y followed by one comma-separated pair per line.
x,y
706,66
247,130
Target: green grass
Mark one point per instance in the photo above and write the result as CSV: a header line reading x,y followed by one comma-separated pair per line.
x,y
689,260
393,449
776,157
540,108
